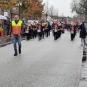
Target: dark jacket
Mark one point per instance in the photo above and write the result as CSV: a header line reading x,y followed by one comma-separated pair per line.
x,y
82,31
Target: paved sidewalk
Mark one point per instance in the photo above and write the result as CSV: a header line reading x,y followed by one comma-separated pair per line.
x,y
4,44
83,79
5,40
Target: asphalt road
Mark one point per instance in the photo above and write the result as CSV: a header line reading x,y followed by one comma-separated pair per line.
x,y
45,63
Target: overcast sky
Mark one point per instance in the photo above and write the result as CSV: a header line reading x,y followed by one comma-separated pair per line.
x,y
63,6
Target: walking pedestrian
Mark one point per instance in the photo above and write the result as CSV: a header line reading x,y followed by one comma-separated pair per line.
x,y
16,33
39,31
27,33
55,32
83,35
72,33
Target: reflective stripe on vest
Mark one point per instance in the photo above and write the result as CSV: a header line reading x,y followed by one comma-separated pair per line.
x,y
16,28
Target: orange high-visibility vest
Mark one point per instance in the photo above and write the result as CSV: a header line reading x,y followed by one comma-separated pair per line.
x,y
17,28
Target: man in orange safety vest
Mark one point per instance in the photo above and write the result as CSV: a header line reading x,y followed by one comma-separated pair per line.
x,y
16,30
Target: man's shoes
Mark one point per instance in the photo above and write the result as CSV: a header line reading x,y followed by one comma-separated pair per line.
x,y
19,50
15,54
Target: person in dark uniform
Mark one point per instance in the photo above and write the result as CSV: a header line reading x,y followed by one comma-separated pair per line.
x,y
27,33
43,30
49,28
59,30
55,32
39,31
31,32
35,30
46,29
72,33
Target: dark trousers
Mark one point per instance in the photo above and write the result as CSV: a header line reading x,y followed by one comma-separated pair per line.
x,y
72,37
46,32
39,35
55,35
35,33
27,36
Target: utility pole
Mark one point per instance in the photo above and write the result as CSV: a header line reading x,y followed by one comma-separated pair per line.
x,y
19,5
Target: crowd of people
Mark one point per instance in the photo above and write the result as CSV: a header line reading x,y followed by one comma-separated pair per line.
x,y
43,29
40,29
37,29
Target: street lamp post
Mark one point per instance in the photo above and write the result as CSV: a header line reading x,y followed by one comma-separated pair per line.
x,y
19,7
46,16
11,14
20,4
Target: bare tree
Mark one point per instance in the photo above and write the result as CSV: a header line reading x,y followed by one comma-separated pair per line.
x,y
80,7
